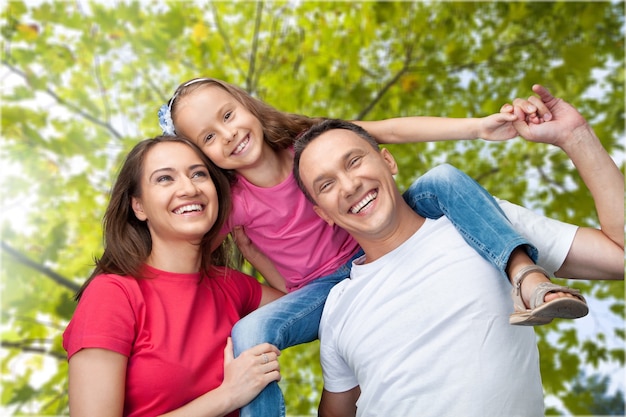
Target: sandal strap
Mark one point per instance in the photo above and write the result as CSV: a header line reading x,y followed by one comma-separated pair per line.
x,y
516,294
544,288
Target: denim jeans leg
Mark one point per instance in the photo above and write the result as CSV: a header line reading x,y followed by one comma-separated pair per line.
x,y
291,320
445,190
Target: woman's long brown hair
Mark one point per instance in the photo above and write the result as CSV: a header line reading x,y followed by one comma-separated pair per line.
x,y
127,240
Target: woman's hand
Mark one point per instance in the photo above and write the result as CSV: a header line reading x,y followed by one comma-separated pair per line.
x,y
246,375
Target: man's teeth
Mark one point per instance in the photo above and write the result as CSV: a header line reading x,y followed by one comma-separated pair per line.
x,y
361,204
187,209
241,146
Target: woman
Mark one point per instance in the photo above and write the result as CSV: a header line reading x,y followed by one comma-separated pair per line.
x,y
150,334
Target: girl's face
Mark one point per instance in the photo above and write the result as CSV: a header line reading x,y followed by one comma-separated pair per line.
x,y
178,198
221,126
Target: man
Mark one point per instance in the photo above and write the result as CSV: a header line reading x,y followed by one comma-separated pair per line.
x,y
422,325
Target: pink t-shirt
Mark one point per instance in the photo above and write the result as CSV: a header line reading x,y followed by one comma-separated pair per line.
x,y
281,222
172,327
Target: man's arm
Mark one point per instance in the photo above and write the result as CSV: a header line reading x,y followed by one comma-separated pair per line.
x,y
559,123
339,404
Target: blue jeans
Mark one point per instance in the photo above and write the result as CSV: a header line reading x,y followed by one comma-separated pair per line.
x,y
294,318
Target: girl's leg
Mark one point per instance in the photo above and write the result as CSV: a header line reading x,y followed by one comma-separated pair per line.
x,y
445,190
291,320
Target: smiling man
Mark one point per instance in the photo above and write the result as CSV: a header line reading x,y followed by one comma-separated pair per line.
x,y
422,324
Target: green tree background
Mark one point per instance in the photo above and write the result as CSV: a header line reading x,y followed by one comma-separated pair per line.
x,y
82,82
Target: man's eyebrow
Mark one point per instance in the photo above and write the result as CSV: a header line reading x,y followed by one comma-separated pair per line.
x,y
323,175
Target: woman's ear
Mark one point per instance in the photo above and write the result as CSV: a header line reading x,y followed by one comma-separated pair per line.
x,y
138,209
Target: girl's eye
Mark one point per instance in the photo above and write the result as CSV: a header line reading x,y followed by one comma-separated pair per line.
x,y
208,137
228,115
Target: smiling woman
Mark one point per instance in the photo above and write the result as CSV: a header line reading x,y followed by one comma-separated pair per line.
x,y
158,309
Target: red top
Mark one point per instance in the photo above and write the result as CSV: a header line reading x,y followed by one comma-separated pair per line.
x,y
172,327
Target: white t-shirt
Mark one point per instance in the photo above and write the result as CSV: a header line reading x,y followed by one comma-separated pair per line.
x,y
424,331
552,238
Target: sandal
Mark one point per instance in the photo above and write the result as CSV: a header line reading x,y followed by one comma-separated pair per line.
x,y
541,312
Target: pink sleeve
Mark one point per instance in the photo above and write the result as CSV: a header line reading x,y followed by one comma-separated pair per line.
x,y
104,318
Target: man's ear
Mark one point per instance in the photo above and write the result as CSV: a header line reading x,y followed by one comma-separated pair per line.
x,y
320,212
389,160
138,209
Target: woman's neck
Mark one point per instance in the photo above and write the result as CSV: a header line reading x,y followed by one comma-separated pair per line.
x,y
273,168
181,258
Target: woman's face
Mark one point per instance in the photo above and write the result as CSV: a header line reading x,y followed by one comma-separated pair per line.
x,y
178,198
221,126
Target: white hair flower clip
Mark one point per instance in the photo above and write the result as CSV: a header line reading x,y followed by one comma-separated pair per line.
x,y
165,120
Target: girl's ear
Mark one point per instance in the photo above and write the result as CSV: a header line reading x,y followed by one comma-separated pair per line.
x,y
320,212
138,209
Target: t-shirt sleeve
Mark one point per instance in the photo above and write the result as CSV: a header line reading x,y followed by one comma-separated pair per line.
x,y
552,238
104,318
248,291
338,377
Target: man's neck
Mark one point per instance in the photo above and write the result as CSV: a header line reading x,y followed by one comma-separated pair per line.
x,y
406,223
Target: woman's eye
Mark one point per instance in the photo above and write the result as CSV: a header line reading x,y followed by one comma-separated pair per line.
x,y
200,174
324,187
164,178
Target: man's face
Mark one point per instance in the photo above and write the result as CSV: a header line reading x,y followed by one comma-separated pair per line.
x,y
351,182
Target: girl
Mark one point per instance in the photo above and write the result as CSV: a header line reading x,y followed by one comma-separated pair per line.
x,y
138,343
253,142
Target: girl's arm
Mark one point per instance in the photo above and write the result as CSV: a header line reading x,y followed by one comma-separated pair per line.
x,y
495,127
96,383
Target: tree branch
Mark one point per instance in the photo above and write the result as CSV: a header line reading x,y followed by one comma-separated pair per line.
x,y
388,85
22,259
24,347
229,49
250,84
64,103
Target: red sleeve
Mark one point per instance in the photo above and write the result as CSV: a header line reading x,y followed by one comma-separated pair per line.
x,y
247,289
105,317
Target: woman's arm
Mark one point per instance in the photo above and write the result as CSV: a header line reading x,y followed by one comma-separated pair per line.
x,y
495,127
97,380
269,294
259,261
244,378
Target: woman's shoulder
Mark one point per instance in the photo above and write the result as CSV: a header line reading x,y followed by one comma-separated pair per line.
x,y
228,277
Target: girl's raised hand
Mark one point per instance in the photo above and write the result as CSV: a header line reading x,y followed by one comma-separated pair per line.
x,y
498,127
